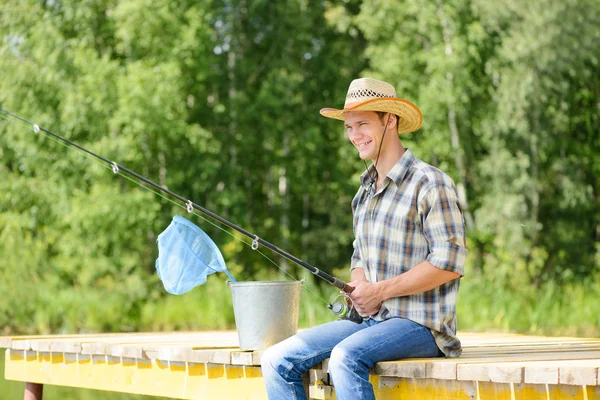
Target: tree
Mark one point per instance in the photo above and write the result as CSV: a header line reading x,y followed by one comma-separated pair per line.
x,y
215,100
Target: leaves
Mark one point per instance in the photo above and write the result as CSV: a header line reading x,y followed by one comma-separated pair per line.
x,y
215,101
219,100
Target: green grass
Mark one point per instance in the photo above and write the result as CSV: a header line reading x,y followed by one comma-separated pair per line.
x,y
484,304
551,310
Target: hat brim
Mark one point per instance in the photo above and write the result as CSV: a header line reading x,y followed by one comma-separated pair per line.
x,y
410,115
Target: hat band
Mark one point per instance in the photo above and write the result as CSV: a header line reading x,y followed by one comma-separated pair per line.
x,y
362,93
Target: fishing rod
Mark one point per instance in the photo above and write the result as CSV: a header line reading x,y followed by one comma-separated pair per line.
x,y
344,311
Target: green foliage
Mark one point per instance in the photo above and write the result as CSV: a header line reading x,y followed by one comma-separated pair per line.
x,y
219,100
213,100
493,304
511,113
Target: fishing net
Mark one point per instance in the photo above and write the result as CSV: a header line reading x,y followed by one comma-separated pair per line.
x,y
186,256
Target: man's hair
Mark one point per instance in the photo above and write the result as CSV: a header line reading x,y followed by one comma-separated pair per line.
x,y
381,114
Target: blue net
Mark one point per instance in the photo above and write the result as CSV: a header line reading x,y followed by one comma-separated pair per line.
x,y
186,256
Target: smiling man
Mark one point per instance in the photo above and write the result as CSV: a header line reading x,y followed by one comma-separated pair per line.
x,y
409,251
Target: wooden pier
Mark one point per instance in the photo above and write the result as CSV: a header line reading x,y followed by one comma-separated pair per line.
x,y
209,365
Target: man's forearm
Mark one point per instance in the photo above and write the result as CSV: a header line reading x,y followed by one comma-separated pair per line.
x,y
421,278
358,274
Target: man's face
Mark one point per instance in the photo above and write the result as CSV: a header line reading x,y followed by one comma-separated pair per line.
x,y
365,129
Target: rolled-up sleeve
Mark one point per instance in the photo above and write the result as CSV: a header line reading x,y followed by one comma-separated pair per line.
x,y
357,261
444,229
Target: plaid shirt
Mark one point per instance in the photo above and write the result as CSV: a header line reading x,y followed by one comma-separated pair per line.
x,y
413,217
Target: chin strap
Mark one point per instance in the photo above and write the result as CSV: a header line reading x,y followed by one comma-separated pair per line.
x,y
373,177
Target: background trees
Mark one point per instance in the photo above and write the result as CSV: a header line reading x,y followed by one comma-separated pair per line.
x,y
219,101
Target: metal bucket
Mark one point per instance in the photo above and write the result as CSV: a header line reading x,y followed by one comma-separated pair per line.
x,y
265,312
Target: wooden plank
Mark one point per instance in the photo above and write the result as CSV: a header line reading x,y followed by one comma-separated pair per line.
x,y
21,344
505,372
469,339
170,353
44,340
497,357
569,372
447,368
580,372
318,376
530,348
472,372
207,381
541,373
241,358
6,341
222,356
101,343
210,381
256,356
126,351
321,392
187,354
471,342
404,369
126,345
572,372
325,365
521,339
137,348
140,350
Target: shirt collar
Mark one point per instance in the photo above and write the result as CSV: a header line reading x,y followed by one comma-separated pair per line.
x,y
396,174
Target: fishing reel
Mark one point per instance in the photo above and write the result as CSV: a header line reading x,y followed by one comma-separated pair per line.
x,y
344,309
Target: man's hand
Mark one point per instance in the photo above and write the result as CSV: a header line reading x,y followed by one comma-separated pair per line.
x,y
366,297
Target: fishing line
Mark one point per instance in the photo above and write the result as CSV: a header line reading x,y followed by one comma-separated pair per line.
x,y
117,171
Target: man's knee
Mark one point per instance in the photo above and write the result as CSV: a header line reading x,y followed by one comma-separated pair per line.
x,y
271,360
339,359
344,358
276,359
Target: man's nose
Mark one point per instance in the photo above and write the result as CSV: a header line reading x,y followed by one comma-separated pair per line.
x,y
353,134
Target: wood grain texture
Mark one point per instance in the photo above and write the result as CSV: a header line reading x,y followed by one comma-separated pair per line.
x,y
494,357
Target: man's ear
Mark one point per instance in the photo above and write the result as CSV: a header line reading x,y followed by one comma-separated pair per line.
x,y
393,122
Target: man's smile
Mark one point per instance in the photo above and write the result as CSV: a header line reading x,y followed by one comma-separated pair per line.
x,y
359,145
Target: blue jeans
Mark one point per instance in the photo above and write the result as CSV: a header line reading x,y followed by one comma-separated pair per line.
x,y
353,349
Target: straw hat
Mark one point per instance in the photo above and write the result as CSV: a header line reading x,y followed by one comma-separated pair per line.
x,y
368,94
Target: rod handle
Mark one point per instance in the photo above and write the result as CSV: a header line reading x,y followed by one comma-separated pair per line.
x,y
343,286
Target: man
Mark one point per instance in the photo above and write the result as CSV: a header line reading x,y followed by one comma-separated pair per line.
x,y
409,250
